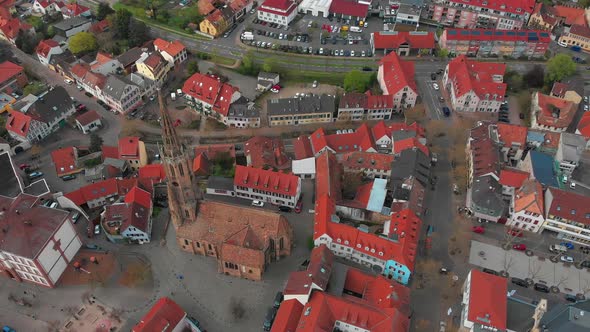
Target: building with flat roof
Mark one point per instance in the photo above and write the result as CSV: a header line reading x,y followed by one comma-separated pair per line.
x,y
301,110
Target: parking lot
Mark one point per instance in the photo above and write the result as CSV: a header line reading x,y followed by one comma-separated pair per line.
x,y
564,276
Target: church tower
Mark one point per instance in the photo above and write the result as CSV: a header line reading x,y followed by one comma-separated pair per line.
x,y
183,192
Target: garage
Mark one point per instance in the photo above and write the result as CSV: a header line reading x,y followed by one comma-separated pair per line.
x,y
320,14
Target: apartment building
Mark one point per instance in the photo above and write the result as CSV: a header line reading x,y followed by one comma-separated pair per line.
x,y
277,11
527,207
486,14
304,109
153,66
364,106
567,213
267,186
122,95
174,52
475,86
551,113
496,43
485,307
396,78
578,35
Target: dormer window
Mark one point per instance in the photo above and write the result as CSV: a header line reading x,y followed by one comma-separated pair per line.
x,y
573,212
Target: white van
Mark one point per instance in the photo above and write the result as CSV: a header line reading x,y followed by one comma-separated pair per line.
x,y
556,248
356,29
173,96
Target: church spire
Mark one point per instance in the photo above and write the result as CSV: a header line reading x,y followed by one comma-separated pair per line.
x,y
172,146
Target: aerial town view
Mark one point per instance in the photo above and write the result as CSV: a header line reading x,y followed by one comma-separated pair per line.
x,y
295,165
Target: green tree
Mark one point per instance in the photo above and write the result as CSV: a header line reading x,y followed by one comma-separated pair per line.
x,y
584,3
83,42
559,67
138,33
121,23
356,81
95,143
103,10
514,80
34,88
3,131
443,53
36,22
269,64
26,42
192,67
50,32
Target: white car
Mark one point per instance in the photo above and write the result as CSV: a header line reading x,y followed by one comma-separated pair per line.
x,y
315,84
435,86
562,44
68,81
351,53
567,259
586,108
96,229
257,203
366,25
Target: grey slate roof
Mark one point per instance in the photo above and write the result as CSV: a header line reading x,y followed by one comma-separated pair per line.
x,y
410,162
267,76
51,105
486,197
8,177
519,315
219,182
130,57
571,147
243,108
302,105
71,23
115,86
568,318
402,135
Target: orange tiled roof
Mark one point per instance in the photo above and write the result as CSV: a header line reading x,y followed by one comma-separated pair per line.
x,y
529,197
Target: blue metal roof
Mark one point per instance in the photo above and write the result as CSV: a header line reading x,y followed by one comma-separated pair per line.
x,y
535,136
377,197
543,168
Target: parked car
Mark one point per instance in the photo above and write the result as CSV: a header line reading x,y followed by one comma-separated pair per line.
x,y
571,298
68,81
566,259
96,229
541,288
490,271
275,89
568,245
514,232
24,166
478,229
257,203
314,84
519,247
435,86
446,111
270,318
284,208
68,177
75,216
521,115
520,282
298,206
35,175
433,76
278,299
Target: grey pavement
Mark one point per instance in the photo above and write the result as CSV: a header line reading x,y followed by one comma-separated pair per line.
x,y
566,277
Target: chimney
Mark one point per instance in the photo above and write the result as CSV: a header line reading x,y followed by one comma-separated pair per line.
x,y
17,212
28,222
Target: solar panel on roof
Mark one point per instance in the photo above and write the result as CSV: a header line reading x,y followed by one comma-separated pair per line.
x,y
533,38
499,33
464,33
452,32
488,33
521,33
544,34
510,33
475,33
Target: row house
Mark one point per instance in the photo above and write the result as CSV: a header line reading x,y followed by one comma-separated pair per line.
x,y
38,242
372,165
243,114
567,214
266,152
470,14
91,82
277,11
121,94
174,52
33,121
403,43
495,43
360,139
105,64
306,109
551,113
12,77
267,186
361,107
210,96
527,207
549,16
396,78
578,35
475,86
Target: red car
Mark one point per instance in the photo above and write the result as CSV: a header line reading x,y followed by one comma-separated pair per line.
x,y
514,233
478,229
298,207
23,166
81,108
177,123
519,247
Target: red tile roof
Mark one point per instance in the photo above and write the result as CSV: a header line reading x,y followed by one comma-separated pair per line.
x,y
530,198
266,180
88,117
100,26
547,104
211,91
165,314
287,316
328,176
315,276
367,160
405,226
569,205
278,7
79,70
201,165
45,46
18,123
376,290
173,48
409,143
13,26
535,36
74,9
263,151
64,160
139,196
152,171
360,140
8,70
518,7
572,15
212,150
584,125
129,148
580,30
110,152
302,147
349,7
393,40
378,102
469,75
546,12
486,159
512,177
397,74
559,89
487,300
106,188
511,134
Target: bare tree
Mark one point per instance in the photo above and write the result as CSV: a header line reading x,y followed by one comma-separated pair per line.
x,y
562,279
535,269
512,233
586,289
508,263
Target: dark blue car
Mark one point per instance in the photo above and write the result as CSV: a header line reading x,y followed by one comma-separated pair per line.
x,y
446,111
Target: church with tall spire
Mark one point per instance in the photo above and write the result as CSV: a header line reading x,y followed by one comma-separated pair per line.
x,y
244,240
183,191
